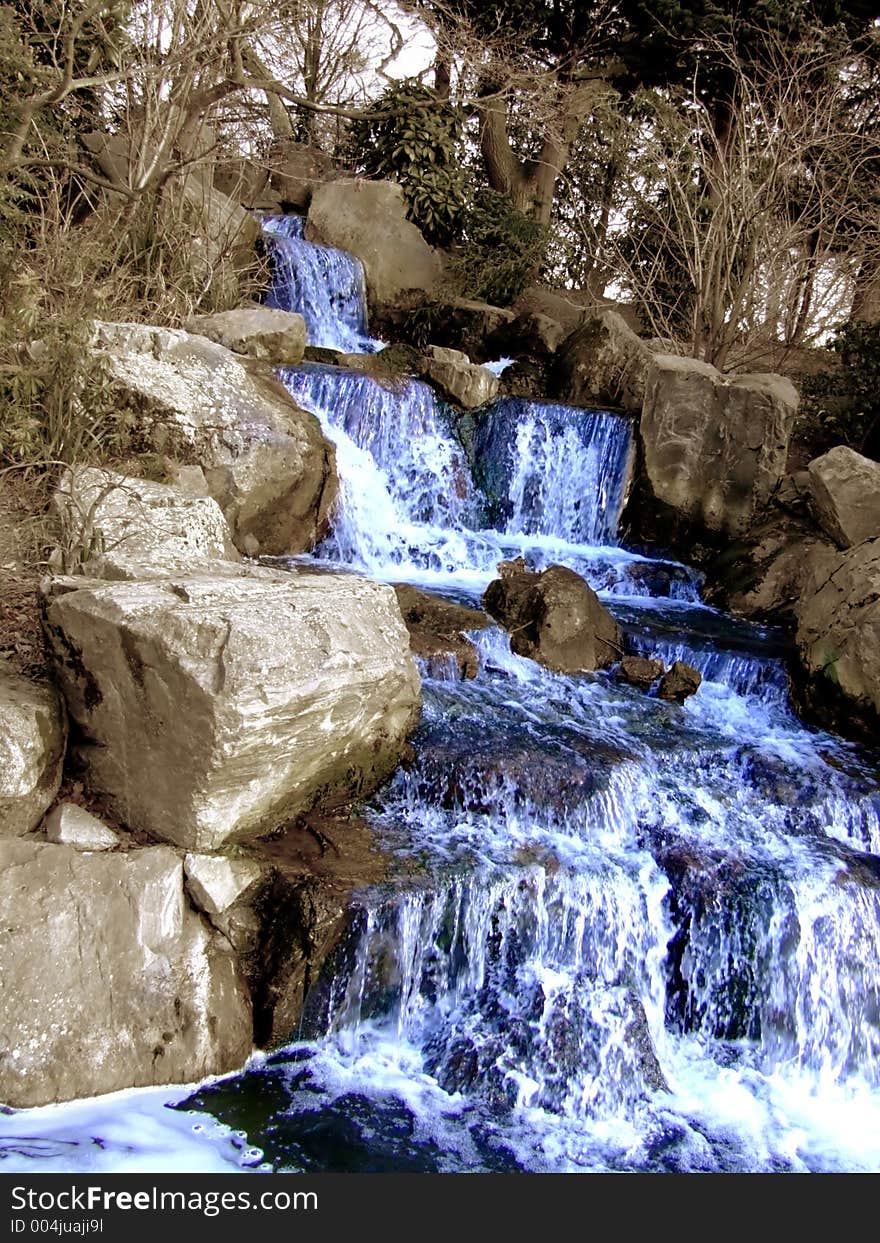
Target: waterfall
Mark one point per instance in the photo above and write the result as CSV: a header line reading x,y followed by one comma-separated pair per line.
x,y
618,933
326,286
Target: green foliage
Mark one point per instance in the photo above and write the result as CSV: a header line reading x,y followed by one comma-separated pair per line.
x,y
844,404
502,251
419,146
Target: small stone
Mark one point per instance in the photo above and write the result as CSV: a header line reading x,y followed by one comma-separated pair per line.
x,y
71,825
640,671
215,882
681,681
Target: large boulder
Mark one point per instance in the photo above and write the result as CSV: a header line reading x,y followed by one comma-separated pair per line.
x,y
368,218
266,461
603,362
555,618
838,634
457,378
263,332
110,521
845,495
218,708
715,446
110,980
33,735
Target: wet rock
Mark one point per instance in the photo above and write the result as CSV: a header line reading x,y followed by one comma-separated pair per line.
x,y
845,494
266,461
217,708
488,768
436,630
715,446
215,882
274,336
111,521
33,734
838,634
457,378
125,986
603,361
640,671
71,825
679,682
368,219
555,618
767,577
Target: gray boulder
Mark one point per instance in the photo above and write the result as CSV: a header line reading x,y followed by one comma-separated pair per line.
x,y
274,336
458,379
111,521
715,446
215,882
368,218
33,735
219,708
845,495
555,618
124,985
603,361
266,461
838,633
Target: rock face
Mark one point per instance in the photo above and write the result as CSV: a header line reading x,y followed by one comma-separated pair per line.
x,y
274,336
217,708
111,521
33,733
603,361
368,218
71,825
266,462
715,447
436,631
123,986
845,495
838,634
555,618
459,379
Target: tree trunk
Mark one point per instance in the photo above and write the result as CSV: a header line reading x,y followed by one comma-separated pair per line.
x,y
866,299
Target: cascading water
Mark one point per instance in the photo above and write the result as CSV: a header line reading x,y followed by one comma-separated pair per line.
x,y
625,934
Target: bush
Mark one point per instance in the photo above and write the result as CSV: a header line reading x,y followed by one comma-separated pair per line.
x,y
844,405
502,252
421,148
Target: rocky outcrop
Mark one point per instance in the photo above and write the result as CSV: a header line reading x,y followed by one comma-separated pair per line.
x,y
555,618
457,378
115,526
124,985
33,733
838,631
368,218
768,578
266,461
71,825
845,495
273,336
218,708
437,631
603,362
714,446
